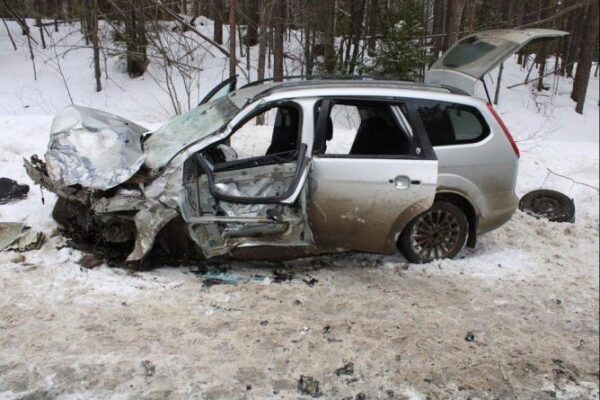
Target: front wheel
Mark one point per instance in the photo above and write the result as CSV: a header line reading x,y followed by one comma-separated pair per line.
x,y
440,232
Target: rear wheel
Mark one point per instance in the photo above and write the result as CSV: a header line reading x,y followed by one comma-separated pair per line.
x,y
440,232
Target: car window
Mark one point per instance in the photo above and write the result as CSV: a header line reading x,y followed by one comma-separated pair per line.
x,y
272,131
451,124
345,122
365,129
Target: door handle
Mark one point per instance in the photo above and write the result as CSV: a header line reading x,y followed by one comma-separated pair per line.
x,y
401,182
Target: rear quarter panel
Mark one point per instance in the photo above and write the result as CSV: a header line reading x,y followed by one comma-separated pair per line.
x,y
484,172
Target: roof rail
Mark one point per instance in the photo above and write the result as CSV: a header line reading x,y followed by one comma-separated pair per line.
x,y
326,77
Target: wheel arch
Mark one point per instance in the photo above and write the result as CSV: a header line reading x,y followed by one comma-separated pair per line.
x,y
467,207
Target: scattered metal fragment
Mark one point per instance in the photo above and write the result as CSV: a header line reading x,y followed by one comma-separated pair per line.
x,y
19,237
11,190
212,278
149,368
309,386
346,369
282,276
90,261
470,337
310,281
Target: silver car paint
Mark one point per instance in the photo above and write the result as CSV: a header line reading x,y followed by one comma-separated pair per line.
x,y
507,42
490,192
362,204
92,148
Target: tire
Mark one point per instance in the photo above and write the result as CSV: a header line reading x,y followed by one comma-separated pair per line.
x,y
440,232
548,204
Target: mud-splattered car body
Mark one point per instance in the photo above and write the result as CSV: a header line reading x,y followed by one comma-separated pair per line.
x,y
302,195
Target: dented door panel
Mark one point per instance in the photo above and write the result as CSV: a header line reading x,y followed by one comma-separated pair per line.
x,y
218,226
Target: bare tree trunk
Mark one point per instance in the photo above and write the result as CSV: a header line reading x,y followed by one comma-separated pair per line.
x,y
329,50
278,41
93,10
251,7
576,29
357,24
232,51
584,64
56,8
265,15
438,26
38,21
373,26
545,11
9,34
135,36
308,56
217,14
453,12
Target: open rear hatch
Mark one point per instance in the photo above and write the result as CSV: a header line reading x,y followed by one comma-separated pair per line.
x,y
475,55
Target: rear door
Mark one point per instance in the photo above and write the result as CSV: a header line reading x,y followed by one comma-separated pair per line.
x,y
371,174
475,55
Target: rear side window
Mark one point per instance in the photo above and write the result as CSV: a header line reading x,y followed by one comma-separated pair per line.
x,y
366,128
449,124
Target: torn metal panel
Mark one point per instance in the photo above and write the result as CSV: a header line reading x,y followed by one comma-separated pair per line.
x,y
36,169
218,227
148,222
122,200
258,182
19,237
93,149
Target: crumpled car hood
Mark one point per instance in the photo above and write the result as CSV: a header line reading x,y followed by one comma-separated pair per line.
x,y
94,149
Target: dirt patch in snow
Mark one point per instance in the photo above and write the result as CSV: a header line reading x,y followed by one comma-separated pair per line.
x,y
531,307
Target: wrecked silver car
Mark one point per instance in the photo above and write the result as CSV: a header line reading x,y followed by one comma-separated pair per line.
x,y
281,170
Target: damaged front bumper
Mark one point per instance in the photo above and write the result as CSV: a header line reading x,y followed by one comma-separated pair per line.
x,y
119,216
36,169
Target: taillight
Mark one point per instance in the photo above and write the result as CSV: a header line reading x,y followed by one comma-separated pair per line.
x,y
505,129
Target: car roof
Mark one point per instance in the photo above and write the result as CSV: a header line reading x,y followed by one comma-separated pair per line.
x,y
359,87
359,84
346,84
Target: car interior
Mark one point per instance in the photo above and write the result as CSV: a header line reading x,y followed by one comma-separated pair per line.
x,y
375,132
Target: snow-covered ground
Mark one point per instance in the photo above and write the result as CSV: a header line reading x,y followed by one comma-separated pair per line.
x,y
528,291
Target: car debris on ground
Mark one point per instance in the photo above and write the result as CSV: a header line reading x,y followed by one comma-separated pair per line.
x,y
11,190
309,386
548,204
19,237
